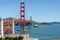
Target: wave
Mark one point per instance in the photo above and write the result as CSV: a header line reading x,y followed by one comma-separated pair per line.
x,y
34,39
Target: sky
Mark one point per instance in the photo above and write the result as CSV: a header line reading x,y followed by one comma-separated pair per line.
x,y
40,10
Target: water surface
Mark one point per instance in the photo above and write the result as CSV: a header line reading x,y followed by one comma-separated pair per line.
x,y
44,32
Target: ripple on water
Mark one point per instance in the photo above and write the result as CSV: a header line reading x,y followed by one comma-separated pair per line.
x,y
33,39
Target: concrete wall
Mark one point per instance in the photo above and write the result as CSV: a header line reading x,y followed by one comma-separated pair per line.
x,y
8,27
1,27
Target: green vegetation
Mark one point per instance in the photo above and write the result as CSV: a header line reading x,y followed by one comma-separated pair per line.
x,y
12,38
44,23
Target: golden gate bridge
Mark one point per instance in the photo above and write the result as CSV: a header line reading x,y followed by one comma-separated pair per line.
x,y
8,24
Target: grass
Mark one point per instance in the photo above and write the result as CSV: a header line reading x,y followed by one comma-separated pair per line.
x,y
12,38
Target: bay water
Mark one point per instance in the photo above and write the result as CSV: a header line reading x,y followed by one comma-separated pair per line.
x,y
43,32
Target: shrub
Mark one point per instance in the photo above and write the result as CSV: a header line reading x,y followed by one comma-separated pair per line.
x,y
1,38
12,38
20,38
15,38
6,37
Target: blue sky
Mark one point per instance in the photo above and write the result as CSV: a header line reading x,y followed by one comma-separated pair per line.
x,y
40,10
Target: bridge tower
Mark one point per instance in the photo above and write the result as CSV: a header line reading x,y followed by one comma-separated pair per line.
x,y
22,16
31,20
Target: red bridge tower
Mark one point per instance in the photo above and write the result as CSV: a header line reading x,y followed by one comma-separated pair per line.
x,y
22,16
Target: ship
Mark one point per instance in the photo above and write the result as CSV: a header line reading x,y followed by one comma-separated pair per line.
x,y
35,25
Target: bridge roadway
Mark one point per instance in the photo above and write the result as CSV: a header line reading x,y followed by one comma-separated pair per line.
x,y
15,21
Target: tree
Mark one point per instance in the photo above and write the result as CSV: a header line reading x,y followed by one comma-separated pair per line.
x,y
20,38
